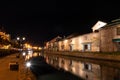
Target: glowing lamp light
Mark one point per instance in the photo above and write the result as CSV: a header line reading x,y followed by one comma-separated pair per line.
x,y
66,41
23,38
28,64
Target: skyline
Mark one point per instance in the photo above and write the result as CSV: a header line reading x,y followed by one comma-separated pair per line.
x,y
44,20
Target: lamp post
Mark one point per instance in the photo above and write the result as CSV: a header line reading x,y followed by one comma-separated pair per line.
x,y
20,41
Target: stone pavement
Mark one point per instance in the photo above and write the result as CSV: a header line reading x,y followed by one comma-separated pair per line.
x,y
9,74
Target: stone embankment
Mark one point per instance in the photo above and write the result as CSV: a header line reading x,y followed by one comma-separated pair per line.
x,y
102,56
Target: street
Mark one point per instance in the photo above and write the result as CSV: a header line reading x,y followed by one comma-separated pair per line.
x,y
7,74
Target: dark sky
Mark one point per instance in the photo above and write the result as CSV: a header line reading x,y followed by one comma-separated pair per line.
x,y
42,20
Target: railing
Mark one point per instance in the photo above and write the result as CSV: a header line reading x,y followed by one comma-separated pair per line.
x,y
5,52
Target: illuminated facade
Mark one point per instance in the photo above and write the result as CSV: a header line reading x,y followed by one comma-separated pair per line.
x,y
104,38
4,38
110,37
53,44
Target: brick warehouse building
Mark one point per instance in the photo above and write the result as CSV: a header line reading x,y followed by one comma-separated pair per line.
x,y
105,37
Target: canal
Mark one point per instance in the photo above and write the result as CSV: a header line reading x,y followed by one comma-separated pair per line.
x,y
88,69
45,71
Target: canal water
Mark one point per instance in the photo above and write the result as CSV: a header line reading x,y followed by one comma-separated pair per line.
x,y
87,69
44,71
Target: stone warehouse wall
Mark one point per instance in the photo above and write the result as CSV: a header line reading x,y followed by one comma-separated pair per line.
x,y
107,35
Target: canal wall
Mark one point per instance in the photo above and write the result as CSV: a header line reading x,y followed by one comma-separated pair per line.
x,y
102,56
88,66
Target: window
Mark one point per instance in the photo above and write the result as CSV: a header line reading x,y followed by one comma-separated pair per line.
x,y
86,46
118,31
119,43
70,64
96,31
62,47
87,66
62,61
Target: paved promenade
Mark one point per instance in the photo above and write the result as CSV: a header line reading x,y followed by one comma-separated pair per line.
x,y
21,74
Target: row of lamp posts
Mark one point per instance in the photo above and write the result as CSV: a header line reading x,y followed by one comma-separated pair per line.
x,y
21,41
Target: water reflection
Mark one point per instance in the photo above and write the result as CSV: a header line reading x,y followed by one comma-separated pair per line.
x,y
87,69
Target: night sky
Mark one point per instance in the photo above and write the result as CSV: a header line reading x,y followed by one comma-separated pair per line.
x,y
42,20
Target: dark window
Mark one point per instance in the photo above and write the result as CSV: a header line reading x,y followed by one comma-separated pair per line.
x,y
88,67
62,61
70,64
118,31
86,46
62,46
96,31
119,43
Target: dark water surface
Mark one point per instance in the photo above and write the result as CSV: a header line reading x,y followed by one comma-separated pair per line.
x,y
43,71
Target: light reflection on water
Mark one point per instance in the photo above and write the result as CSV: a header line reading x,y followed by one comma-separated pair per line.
x,y
88,69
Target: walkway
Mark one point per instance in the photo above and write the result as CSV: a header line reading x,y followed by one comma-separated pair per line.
x,y
20,74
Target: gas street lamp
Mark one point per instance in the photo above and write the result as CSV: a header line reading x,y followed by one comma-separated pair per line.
x,y
20,41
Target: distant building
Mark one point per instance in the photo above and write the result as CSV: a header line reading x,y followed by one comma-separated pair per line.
x,y
53,44
104,38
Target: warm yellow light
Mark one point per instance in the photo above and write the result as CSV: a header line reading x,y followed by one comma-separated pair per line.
x,y
27,46
35,47
66,41
39,48
35,54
